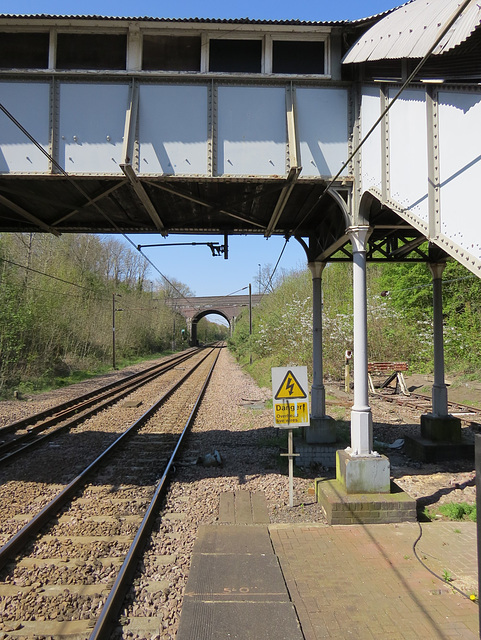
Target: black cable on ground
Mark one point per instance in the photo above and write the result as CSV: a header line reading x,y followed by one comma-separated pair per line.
x,y
465,595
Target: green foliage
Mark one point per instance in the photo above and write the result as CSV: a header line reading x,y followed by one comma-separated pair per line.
x,y
452,511
409,289
54,325
208,331
399,320
447,575
458,511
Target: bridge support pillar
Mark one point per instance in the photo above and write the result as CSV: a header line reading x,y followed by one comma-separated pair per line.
x,y
192,329
439,390
322,428
360,469
361,492
441,435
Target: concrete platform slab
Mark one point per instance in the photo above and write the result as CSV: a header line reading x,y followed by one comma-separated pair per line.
x,y
363,581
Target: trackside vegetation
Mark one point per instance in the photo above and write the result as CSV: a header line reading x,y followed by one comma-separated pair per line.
x,y
399,320
57,309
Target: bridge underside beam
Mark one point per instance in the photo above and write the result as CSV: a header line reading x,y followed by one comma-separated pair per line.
x,y
196,205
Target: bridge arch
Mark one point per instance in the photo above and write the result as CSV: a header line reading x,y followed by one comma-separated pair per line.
x,y
228,307
194,340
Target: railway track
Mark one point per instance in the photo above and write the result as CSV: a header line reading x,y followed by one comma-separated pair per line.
x,y
28,432
66,572
423,403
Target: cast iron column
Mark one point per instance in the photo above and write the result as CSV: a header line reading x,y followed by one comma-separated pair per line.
x,y
439,391
318,392
361,417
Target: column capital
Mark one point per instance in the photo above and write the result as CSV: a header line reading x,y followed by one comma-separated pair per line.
x,y
436,269
358,236
316,268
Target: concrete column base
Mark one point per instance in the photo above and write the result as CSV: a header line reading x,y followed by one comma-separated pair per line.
x,y
321,431
363,474
441,428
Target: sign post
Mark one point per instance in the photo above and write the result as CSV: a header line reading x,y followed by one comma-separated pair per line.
x,y
291,409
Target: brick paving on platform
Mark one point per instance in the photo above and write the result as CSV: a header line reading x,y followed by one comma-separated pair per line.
x,y
365,581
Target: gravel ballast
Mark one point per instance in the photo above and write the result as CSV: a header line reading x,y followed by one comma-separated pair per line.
x,y
233,422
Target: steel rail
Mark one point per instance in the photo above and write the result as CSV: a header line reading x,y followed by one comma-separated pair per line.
x,y
111,609
74,403
25,534
419,401
83,411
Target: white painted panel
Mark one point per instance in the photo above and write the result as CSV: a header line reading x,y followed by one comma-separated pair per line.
x,y
173,129
322,122
92,121
460,168
252,131
371,150
29,103
408,150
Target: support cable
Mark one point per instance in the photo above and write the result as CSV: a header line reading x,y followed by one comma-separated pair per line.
x,y
90,201
275,269
47,275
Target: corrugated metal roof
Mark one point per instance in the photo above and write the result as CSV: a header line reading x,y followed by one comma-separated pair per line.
x,y
358,21
44,16
411,30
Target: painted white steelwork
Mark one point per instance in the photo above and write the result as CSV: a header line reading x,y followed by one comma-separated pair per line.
x,y
173,129
90,123
371,158
459,171
31,102
182,129
252,131
432,139
323,149
408,155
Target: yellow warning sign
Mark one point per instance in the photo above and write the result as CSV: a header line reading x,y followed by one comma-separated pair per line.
x,y
291,413
290,389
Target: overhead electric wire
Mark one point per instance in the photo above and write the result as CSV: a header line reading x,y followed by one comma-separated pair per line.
x,y
57,293
90,201
47,275
275,268
73,284
93,203
233,293
411,77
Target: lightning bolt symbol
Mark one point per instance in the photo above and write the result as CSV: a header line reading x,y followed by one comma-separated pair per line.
x,y
290,386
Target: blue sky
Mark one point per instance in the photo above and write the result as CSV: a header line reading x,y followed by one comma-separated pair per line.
x,y
194,266
256,9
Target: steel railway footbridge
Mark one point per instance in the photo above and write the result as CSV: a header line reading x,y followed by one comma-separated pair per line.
x,y
359,139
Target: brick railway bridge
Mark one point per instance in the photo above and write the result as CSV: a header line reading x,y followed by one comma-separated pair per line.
x,y
360,139
228,307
